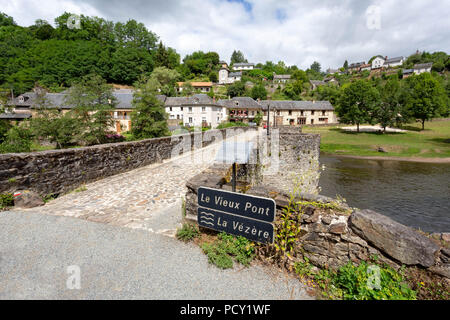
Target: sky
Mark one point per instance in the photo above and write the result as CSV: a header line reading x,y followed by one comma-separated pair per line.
x,y
295,31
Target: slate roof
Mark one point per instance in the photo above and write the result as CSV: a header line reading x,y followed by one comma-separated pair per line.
x,y
193,100
297,105
281,76
394,60
423,65
239,102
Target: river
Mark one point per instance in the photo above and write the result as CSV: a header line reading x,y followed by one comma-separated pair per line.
x,y
412,193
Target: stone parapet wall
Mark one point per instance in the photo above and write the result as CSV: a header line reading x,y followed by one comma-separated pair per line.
x,y
298,161
331,238
59,171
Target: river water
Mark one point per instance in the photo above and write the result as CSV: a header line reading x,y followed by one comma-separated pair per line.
x,y
412,193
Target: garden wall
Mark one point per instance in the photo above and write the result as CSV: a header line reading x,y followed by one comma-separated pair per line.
x,y
59,171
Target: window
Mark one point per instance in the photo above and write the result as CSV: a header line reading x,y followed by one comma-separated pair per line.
x,y
181,108
301,121
323,113
190,109
323,120
312,112
190,119
290,112
203,109
170,108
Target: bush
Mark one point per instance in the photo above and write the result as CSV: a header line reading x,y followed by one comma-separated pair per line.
x,y
6,200
225,125
353,281
17,139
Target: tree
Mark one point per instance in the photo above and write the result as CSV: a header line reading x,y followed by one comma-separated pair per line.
x,y
161,56
345,66
236,89
358,103
259,92
213,77
389,111
51,124
315,67
258,118
293,90
237,57
6,20
149,119
166,80
188,89
18,139
426,97
300,75
129,63
93,103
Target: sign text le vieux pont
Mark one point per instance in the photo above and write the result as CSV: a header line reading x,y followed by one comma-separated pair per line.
x,y
237,214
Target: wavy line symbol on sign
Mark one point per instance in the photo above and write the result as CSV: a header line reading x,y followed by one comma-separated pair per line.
x,y
208,219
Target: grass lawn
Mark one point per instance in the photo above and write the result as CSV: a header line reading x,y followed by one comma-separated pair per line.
x,y
433,142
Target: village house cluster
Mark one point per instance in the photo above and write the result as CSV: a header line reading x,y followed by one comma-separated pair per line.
x,y
380,63
198,110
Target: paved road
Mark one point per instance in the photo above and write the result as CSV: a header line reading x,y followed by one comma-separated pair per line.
x,y
119,263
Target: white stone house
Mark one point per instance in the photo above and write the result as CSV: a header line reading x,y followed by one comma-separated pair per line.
x,y
378,62
298,113
196,111
423,67
227,77
394,62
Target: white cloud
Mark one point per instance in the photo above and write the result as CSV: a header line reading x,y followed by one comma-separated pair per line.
x,y
297,32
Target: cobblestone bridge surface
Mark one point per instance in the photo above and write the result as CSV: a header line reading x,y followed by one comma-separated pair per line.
x,y
138,199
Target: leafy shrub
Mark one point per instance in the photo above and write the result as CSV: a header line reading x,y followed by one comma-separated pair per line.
x,y
6,200
232,124
227,247
353,280
17,139
187,232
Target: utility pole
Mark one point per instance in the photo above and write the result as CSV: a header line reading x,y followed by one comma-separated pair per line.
x,y
268,119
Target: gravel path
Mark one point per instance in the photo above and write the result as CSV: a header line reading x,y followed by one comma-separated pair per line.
x,y
119,263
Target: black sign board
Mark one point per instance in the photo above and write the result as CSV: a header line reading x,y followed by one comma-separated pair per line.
x,y
237,203
251,229
236,213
